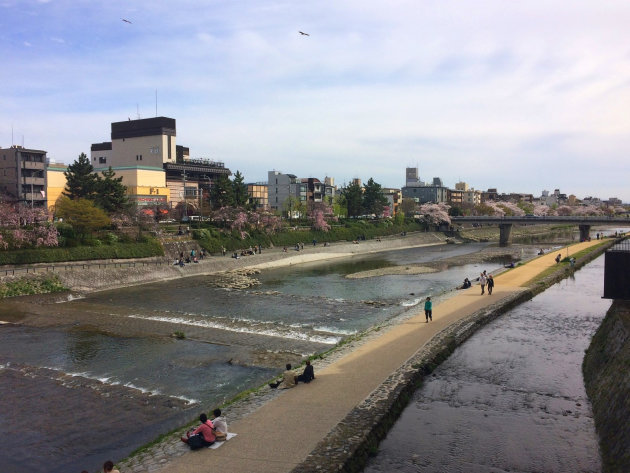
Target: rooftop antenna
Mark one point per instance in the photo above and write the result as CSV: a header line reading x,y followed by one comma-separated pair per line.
x,y
138,111
156,103
12,142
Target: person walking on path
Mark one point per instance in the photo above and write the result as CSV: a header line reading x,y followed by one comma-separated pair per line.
x,y
490,284
428,309
482,283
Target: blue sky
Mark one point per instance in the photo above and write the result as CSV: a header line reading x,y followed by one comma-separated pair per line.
x,y
522,96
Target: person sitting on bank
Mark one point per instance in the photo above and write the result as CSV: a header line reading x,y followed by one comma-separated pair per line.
x,y
288,379
308,375
558,258
220,426
466,284
108,467
204,434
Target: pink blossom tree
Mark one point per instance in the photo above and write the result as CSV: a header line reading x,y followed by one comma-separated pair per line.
x,y
435,214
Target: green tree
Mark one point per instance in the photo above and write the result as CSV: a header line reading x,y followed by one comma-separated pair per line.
x,y
239,189
222,193
353,196
111,194
408,206
82,214
399,218
373,198
339,207
80,179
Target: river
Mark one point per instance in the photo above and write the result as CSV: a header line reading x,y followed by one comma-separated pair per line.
x,y
83,380
512,397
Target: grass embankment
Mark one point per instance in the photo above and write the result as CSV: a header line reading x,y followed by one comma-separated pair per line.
x,y
565,263
212,238
32,285
144,249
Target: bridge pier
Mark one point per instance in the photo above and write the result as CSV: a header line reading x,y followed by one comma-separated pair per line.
x,y
585,232
505,234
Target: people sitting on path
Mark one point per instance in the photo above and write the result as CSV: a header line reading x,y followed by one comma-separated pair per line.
x,y
541,252
202,436
428,309
308,375
288,380
108,467
558,258
466,284
490,284
220,425
509,266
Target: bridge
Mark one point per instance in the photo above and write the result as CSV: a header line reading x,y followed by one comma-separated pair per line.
x,y
505,223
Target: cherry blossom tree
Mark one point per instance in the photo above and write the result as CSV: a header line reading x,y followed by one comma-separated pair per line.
x,y
435,214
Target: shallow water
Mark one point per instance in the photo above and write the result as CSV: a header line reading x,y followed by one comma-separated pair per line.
x,y
131,388
512,397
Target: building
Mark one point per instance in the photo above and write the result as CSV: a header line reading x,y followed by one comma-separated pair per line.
x,y
455,197
394,199
472,197
412,178
155,170
23,175
426,194
258,195
282,186
461,186
55,183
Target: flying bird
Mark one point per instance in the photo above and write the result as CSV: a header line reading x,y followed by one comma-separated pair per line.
x,y
126,21
302,33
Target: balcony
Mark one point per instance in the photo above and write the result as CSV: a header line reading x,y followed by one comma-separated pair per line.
x,y
37,181
32,165
34,196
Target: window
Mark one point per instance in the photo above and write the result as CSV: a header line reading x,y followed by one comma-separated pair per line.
x,y
102,160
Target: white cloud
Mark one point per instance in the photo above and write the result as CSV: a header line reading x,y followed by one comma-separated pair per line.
x,y
518,96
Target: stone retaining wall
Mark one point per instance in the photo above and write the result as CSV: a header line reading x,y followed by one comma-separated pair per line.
x,y
350,444
606,370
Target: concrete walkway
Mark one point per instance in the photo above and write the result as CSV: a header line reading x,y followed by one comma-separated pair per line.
x,y
281,434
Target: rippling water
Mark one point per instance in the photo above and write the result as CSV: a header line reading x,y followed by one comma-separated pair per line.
x,y
512,397
89,374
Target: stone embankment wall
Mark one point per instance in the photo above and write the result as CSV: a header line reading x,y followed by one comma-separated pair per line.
x,y
350,444
606,370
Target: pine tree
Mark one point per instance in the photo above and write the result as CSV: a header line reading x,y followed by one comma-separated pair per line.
x,y
241,196
373,198
353,196
80,179
111,194
222,193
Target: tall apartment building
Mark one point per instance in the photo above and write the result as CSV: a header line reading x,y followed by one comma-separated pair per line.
x,y
23,175
412,178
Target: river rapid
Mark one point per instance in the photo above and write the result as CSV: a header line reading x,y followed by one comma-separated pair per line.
x,y
512,397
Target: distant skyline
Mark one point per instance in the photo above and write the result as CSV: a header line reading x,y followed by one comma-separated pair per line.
x,y
521,96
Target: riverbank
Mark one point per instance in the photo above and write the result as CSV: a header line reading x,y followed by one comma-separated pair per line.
x,y
90,276
607,380
350,424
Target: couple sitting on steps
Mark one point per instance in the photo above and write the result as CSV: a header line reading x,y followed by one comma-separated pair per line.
x,y
290,380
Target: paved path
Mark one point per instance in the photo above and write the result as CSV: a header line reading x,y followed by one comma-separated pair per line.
x,y
281,434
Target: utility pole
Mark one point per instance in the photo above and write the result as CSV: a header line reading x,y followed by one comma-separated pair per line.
x,y
184,195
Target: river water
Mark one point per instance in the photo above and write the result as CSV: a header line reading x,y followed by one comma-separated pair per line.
x,y
512,397
94,378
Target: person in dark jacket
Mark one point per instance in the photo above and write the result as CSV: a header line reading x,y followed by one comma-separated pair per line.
x,y
308,375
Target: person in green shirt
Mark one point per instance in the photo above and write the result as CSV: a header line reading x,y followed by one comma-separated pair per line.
x,y
428,309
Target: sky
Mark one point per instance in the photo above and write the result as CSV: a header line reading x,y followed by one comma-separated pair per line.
x,y
518,96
